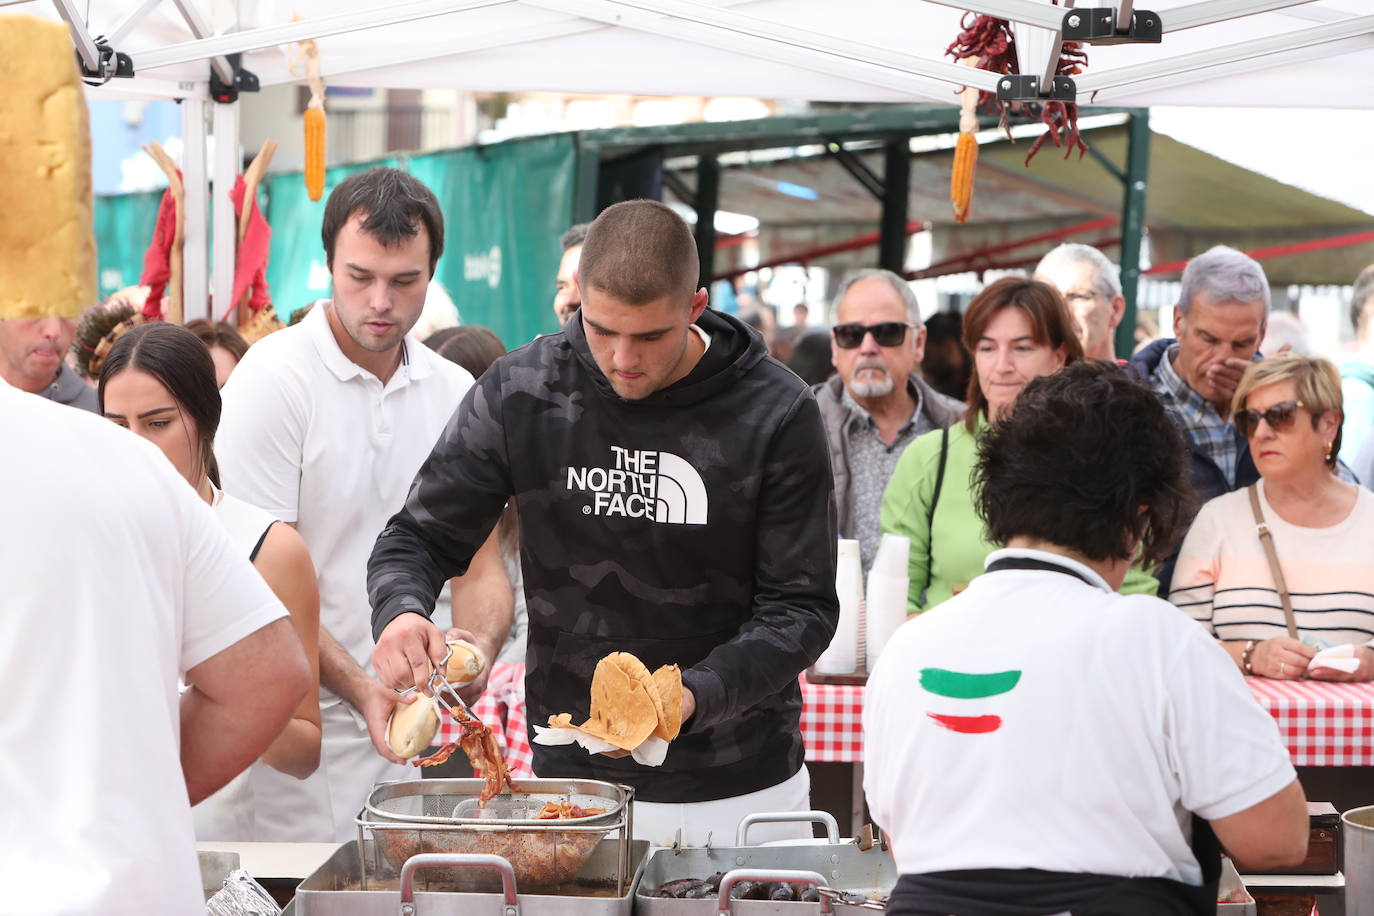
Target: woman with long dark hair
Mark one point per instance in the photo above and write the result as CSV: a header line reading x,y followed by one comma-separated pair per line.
x,y
159,382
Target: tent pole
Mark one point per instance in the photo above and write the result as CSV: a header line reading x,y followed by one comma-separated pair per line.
x,y
195,254
896,195
224,223
708,196
1133,224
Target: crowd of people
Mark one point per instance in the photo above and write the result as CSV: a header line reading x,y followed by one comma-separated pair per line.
x,y
650,480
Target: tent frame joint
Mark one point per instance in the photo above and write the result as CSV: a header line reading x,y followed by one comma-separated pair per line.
x,y
243,81
1106,25
1025,87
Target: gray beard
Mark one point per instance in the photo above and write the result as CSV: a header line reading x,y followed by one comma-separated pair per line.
x,y
874,388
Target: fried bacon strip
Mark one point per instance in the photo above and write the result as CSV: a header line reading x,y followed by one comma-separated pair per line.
x,y
485,756
482,751
554,811
440,756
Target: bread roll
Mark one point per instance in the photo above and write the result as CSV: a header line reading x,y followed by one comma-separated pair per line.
x,y
465,664
47,249
412,727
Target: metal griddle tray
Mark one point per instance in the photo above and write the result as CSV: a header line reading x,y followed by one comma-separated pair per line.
x,y
336,889
844,867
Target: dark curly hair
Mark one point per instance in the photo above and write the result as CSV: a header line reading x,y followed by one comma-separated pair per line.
x,y
1087,460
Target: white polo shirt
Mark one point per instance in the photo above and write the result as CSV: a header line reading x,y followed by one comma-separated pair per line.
x,y
314,439
115,578
1082,725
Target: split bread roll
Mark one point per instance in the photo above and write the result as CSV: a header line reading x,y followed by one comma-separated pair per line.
x,y
47,248
412,727
465,664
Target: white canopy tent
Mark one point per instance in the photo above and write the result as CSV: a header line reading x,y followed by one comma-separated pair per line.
x,y
1228,53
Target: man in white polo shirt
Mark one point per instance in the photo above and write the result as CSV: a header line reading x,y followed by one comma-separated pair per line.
x,y
102,758
325,424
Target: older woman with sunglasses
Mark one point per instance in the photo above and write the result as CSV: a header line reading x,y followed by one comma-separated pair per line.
x,y
1319,529
1016,329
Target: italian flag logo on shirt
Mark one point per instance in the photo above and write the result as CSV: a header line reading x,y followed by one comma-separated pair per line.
x,y
964,685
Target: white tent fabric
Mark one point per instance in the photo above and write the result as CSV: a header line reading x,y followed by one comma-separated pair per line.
x,y
1292,53
1228,53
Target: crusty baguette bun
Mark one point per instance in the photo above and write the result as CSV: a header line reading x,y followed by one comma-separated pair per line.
x,y
412,727
47,248
465,664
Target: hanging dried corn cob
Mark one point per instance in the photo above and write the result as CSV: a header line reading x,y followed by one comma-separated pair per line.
x,y
309,53
314,150
965,151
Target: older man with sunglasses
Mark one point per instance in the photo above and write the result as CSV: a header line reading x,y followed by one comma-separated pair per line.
x,y
878,403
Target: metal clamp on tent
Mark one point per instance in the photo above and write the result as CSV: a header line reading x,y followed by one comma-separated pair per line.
x,y
244,81
1021,87
110,64
1100,26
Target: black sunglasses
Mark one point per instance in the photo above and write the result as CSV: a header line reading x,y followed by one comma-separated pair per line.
x,y
1279,416
885,334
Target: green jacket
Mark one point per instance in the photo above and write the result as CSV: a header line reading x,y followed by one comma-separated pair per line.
x,y
949,553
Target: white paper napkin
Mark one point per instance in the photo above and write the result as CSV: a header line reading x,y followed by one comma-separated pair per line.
x,y
650,752
1339,658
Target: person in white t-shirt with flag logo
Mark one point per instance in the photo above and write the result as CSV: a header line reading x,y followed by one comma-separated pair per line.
x,y
1039,744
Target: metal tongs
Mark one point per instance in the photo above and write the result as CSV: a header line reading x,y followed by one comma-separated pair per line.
x,y
849,898
439,686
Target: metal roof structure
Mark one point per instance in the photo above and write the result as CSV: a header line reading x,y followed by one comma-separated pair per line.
x,y
1196,200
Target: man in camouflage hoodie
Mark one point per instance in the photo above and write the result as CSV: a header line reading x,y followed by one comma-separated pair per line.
x,y
675,502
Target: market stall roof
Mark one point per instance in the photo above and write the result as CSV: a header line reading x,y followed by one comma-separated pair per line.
x,y
1195,200
1273,53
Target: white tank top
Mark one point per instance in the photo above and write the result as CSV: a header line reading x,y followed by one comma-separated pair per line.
x,y
227,816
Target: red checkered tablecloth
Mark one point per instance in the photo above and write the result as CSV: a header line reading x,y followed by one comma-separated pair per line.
x,y
501,709
1323,724
832,722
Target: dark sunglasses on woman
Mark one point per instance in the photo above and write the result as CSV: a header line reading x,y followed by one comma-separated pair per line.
x,y
1279,416
885,334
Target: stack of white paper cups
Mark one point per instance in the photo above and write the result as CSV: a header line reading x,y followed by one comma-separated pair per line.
x,y
842,655
886,597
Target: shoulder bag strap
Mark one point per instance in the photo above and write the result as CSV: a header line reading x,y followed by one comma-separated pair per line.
x,y
1267,540
935,498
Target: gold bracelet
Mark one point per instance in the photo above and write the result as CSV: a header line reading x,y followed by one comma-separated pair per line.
x,y
1245,654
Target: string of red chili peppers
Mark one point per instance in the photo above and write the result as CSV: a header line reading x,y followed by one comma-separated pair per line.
x,y
992,42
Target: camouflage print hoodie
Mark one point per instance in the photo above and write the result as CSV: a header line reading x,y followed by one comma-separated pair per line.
x,y
694,526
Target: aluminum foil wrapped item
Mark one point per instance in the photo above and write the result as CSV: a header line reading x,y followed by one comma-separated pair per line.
x,y
242,896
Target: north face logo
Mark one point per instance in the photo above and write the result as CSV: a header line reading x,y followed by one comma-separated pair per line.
x,y
653,485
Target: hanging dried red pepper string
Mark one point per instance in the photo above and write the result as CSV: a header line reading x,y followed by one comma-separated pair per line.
x,y
993,43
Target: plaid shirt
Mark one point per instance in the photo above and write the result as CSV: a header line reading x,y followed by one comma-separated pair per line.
x,y
1209,432
871,463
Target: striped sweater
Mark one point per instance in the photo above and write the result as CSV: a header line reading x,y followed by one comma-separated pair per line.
x,y
1223,578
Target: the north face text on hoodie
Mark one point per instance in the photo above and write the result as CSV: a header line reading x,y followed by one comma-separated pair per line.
x,y
659,486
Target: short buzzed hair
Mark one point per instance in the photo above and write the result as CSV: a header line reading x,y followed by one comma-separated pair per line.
x,y
639,251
